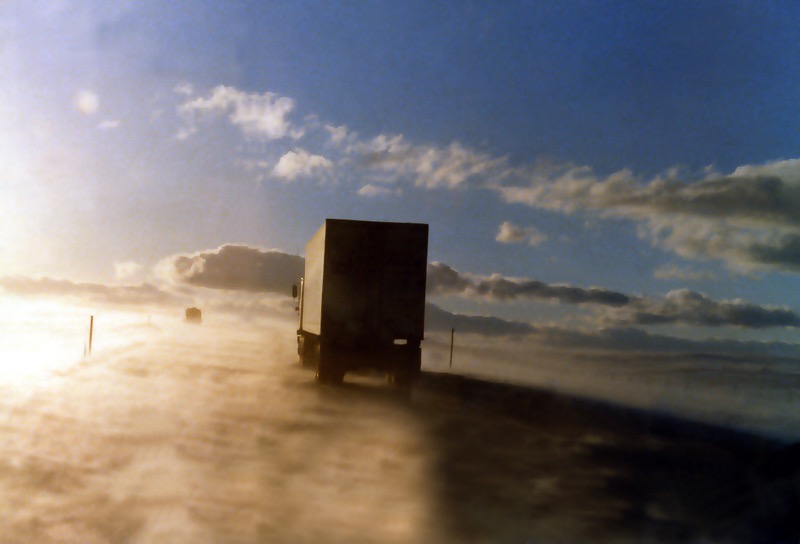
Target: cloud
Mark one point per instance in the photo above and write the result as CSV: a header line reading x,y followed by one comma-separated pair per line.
x,y
753,194
264,115
142,294
392,158
742,249
444,280
87,102
126,269
426,166
184,89
747,219
386,158
511,234
687,307
301,163
782,251
235,267
496,287
681,307
185,132
673,272
437,319
339,135
370,190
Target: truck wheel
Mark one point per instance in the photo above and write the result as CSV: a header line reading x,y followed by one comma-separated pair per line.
x,y
330,374
401,379
301,349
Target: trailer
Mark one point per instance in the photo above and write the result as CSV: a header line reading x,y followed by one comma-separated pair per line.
x,y
362,299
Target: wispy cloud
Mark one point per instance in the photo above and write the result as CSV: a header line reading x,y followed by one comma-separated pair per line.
x,y
264,115
673,272
339,135
426,166
370,190
512,234
300,163
142,294
769,194
747,219
742,248
126,269
184,89
385,158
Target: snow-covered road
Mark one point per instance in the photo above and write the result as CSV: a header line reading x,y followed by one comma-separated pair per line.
x,y
213,434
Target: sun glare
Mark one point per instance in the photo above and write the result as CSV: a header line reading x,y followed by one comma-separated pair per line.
x,y
38,337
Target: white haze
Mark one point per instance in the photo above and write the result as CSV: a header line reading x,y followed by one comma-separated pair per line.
x,y
200,434
173,432
758,393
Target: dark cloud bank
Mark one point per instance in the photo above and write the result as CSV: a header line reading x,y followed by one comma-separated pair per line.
x,y
689,307
679,307
236,268
243,269
444,280
247,269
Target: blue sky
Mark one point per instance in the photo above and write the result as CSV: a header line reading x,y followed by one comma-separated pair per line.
x,y
642,148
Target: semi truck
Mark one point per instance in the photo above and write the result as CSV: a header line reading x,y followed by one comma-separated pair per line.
x,y
362,299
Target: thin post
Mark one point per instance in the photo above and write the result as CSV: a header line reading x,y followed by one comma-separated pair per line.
x,y
452,335
91,331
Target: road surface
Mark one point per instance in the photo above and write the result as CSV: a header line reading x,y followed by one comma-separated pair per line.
x,y
208,434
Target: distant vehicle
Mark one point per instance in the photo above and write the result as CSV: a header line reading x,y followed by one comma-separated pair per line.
x,y
362,300
194,315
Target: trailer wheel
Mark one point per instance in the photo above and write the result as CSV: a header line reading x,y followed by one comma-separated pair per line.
x,y
404,376
328,370
308,350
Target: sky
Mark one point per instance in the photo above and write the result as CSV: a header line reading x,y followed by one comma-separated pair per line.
x,y
618,175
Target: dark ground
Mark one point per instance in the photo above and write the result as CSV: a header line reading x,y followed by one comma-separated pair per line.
x,y
603,471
